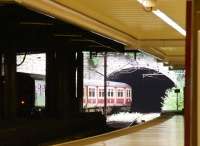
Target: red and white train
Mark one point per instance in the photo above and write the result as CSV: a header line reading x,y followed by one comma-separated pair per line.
x,y
118,94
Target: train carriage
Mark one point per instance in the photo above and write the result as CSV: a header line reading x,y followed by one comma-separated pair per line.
x,y
118,94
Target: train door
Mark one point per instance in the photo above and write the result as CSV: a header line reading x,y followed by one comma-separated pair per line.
x,y
128,96
100,98
110,96
92,100
120,96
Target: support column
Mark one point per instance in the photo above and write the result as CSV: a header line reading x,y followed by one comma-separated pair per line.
x,y
195,76
9,102
1,88
79,89
50,83
105,84
187,93
65,87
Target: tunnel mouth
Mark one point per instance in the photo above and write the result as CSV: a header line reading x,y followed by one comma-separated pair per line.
x,y
148,87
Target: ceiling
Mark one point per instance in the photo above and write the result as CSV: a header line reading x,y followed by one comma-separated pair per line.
x,y
129,16
125,21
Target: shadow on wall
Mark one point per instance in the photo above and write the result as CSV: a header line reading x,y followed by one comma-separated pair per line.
x,y
148,87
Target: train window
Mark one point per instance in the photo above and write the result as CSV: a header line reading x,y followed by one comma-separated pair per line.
x,y
110,92
120,92
101,92
91,92
128,93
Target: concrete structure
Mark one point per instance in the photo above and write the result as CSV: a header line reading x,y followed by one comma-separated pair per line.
x,y
118,61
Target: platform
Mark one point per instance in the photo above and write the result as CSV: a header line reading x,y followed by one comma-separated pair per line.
x,y
160,132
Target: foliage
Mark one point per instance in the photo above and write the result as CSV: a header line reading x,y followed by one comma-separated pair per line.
x,y
130,55
170,99
94,61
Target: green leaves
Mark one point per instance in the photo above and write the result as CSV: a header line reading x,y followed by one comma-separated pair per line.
x,y
170,98
94,61
169,101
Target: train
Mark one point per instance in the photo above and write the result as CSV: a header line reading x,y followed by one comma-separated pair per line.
x,y
119,95
30,92
25,94
31,96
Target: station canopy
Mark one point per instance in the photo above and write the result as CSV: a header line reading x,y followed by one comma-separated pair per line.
x,y
126,21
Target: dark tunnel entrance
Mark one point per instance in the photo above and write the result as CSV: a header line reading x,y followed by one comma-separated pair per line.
x,y
148,87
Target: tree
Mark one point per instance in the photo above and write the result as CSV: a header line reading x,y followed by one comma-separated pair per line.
x,y
169,100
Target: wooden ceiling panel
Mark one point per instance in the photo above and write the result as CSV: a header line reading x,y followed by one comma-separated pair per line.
x,y
175,9
173,51
129,16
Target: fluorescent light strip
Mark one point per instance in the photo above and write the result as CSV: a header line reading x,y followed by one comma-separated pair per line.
x,y
169,21
140,1
166,19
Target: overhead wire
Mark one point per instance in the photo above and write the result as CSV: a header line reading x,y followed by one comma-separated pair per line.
x,y
24,58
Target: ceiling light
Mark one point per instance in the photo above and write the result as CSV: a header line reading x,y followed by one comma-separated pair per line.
x,y
148,5
166,62
171,67
169,21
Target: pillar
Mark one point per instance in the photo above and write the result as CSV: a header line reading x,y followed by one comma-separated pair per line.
x,y
187,92
1,88
61,100
79,89
50,83
66,88
195,76
9,99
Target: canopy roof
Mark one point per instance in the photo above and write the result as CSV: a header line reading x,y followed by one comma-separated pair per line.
x,y
125,21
